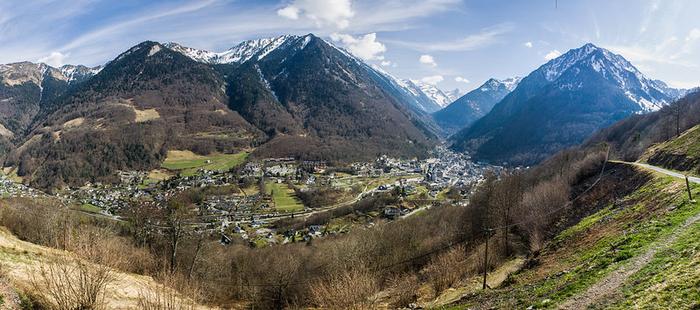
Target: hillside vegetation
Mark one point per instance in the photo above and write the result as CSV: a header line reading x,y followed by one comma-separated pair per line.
x,y
633,136
40,276
634,252
681,153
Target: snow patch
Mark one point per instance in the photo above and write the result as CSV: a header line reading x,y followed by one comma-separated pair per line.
x,y
154,49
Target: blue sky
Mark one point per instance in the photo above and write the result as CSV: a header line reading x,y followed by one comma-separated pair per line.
x,y
453,43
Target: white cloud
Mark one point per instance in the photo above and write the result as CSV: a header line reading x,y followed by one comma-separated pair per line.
x,y
683,84
55,59
433,79
666,53
552,54
386,63
290,12
528,44
365,47
427,60
321,12
486,37
461,80
693,35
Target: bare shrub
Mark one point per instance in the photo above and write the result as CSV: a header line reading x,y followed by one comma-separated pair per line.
x,y
446,269
404,290
540,207
351,289
167,295
71,283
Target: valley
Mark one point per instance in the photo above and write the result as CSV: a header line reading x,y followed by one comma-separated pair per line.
x,y
349,154
243,199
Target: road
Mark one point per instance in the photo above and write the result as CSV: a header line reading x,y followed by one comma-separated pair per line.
x,y
665,171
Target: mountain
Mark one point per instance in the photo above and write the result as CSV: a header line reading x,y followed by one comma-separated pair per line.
x,y
404,90
286,96
78,73
559,105
660,134
474,105
316,101
148,100
441,98
25,87
237,54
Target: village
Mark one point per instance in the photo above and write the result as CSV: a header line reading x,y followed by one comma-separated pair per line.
x,y
256,201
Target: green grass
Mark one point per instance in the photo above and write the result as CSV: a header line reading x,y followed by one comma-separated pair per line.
x,y
90,208
188,166
688,143
284,197
582,260
671,279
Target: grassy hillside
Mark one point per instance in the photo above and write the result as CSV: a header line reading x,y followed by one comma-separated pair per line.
x,y
631,137
636,252
681,153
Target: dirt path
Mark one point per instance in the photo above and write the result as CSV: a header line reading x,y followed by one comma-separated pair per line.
x,y
612,282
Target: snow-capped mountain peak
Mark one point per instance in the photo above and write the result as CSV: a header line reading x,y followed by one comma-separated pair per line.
x,y
494,84
648,94
28,72
239,53
431,91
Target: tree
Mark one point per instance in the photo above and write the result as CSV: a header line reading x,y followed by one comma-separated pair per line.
x,y
178,215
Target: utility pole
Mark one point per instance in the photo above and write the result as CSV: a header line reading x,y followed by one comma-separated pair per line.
x,y
687,185
486,255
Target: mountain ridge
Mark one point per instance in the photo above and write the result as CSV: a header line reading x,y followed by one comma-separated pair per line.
x,y
559,105
474,104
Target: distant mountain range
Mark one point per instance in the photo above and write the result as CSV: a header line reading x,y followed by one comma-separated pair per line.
x,y
296,96
560,104
474,105
287,96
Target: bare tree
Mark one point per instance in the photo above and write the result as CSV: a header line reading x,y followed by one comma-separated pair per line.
x,y
177,223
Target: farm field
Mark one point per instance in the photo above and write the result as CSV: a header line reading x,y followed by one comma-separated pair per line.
x,y
283,196
187,162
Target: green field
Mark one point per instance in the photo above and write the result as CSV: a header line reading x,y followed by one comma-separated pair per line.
x,y
283,196
187,163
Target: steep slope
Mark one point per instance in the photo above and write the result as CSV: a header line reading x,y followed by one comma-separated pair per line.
x,y
22,263
405,91
637,251
634,136
681,153
25,88
441,98
419,97
146,101
318,102
474,105
559,105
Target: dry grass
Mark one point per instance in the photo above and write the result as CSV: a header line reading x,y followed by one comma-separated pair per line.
x,y
146,115
351,289
76,122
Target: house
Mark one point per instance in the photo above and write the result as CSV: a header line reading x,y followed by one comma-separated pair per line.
x,y
315,230
392,212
